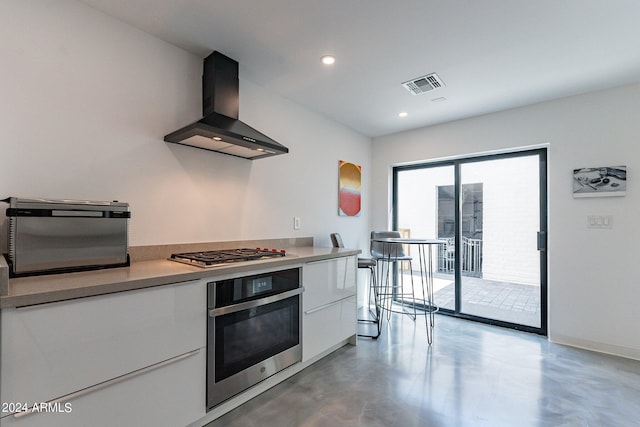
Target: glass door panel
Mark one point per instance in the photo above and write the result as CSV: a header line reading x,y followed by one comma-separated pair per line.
x,y
491,211
425,206
500,219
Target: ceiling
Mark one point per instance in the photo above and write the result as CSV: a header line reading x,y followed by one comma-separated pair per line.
x,y
491,54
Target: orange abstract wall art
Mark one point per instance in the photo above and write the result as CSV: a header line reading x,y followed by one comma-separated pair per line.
x,y
350,182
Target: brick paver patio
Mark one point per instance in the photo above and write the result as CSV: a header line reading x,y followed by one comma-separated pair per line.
x,y
510,302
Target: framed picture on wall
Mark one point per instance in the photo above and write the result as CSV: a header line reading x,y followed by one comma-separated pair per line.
x,y
349,186
600,182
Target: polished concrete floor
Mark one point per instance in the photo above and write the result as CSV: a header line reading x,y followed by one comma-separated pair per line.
x,y
472,375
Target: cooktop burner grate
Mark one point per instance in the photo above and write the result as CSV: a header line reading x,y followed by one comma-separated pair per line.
x,y
224,256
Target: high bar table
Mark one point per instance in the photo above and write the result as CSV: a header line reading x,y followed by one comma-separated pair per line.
x,y
425,258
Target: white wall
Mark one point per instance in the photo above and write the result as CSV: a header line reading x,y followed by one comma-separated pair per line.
x,y
594,285
87,100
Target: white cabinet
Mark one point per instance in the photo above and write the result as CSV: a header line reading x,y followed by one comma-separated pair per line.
x,y
168,396
56,349
328,326
329,304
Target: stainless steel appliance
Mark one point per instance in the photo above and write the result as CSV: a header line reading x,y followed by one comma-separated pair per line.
x,y
52,236
224,256
253,331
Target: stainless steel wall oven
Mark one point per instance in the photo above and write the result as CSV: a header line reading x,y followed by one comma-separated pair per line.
x,y
253,331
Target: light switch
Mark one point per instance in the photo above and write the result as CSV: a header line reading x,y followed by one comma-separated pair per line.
x,y
296,223
600,221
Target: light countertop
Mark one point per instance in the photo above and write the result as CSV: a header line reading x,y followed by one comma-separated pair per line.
x,y
43,289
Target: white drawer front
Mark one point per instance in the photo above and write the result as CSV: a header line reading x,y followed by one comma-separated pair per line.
x,y
52,350
172,395
325,326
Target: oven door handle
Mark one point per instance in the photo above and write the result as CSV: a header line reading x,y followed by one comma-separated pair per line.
x,y
255,303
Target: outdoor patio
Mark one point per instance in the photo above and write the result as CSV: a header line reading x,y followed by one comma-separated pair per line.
x,y
509,302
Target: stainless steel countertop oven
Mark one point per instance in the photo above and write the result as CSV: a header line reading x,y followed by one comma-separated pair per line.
x,y
52,236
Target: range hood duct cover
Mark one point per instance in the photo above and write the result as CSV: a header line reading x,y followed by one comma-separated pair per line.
x,y
220,130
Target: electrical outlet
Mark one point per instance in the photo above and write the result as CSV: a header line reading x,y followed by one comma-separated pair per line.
x,y
296,223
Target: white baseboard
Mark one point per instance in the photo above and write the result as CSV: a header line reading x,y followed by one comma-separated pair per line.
x,y
615,350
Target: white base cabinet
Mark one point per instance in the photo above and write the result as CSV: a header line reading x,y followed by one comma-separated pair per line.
x,y
327,327
58,349
171,395
329,304
139,357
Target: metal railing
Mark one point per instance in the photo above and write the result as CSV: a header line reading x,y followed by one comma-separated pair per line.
x,y
471,256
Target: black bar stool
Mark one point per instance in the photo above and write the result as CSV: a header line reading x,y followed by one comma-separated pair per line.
x,y
391,289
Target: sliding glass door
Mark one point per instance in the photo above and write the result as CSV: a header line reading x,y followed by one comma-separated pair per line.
x,y
418,216
491,213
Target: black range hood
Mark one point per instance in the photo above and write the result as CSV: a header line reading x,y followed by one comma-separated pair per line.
x,y
220,130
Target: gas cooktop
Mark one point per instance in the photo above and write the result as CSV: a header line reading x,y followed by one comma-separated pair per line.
x,y
225,256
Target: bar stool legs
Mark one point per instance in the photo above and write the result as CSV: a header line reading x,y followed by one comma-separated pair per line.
x,y
373,291
426,280
391,290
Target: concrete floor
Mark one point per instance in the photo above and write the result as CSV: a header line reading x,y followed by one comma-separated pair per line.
x,y
472,375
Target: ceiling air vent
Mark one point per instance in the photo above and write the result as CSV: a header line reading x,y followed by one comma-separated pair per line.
x,y
423,84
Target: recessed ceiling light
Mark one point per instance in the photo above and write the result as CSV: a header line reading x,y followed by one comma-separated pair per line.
x,y
217,138
328,59
403,114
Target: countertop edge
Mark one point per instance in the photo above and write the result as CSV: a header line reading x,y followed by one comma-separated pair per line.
x,y
23,292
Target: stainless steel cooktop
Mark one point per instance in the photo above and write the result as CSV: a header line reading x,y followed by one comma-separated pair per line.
x,y
225,256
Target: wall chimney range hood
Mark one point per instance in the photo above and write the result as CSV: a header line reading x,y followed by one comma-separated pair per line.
x,y
220,130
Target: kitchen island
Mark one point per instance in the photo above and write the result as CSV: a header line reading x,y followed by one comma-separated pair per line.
x,y
128,345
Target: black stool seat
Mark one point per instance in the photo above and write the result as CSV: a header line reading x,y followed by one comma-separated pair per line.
x,y
366,262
